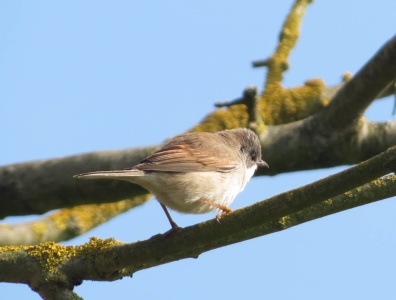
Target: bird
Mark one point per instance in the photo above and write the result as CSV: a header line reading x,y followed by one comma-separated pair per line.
x,y
195,172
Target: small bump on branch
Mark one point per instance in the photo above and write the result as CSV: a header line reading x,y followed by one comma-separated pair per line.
x,y
250,99
260,63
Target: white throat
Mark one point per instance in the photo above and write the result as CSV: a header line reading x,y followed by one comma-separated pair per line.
x,y
249,172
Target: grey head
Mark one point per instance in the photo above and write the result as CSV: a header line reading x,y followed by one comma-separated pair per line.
x,y
247,143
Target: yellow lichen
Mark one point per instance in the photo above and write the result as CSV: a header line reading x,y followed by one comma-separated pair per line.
x,y
279,106
276,105
377,182
51,255
285,221
86,217
39,228
233,117
349,194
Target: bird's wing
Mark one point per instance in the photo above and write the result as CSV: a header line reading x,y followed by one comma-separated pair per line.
x,y
195,154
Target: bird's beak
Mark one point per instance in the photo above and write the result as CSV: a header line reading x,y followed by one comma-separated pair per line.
x,y
262,163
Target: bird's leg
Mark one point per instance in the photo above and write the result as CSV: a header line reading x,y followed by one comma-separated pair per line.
x,y
224,209
173,224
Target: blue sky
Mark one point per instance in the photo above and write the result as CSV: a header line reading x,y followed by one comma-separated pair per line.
x,y
82,76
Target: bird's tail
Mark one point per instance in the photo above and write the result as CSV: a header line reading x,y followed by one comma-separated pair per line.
x,y
116,174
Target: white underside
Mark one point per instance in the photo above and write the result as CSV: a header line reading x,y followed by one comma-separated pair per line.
x,y
183,191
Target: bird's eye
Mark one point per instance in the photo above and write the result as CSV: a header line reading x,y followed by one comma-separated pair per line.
x,y
253,156
242,149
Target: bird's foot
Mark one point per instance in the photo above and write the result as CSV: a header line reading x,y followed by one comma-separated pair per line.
x,y
224,209
174,226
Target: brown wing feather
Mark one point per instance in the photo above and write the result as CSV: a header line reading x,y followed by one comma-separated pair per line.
x,y
184,154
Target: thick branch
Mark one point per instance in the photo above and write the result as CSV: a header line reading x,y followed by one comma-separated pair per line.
x,y
349,104
298,146
40,186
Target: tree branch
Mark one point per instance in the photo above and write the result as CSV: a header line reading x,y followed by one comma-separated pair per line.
x,y
349,104
40,186
278,62
66,223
